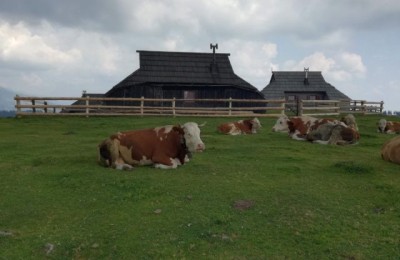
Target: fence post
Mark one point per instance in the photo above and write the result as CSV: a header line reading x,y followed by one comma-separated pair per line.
x,y
300,109
342,106
141,105
45,108
337,107
33,104
381,107
230,106
173,106
363,108
283,106
87,106
18,104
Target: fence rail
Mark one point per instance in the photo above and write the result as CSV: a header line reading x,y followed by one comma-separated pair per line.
x,y
96,106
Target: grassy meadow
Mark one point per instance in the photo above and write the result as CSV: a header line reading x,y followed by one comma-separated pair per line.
x,y
305,201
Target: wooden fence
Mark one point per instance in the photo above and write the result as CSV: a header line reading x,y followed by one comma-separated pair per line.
x,y
335,107
95,106
319,107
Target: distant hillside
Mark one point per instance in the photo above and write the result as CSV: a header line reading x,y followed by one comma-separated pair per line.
x,y
7,99
7,113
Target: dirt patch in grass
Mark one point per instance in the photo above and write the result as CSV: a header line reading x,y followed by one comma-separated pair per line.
x,y
243,205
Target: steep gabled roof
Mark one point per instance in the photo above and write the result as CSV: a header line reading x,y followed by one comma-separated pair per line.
x,y
184,68
297,81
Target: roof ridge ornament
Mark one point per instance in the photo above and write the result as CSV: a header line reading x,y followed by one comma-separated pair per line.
x,y
214,63
306,82
213,47
306,70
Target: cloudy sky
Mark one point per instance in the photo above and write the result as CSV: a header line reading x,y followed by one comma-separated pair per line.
x,y
59,48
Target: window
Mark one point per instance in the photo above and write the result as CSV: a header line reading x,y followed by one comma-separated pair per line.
x,y
291,98
312,97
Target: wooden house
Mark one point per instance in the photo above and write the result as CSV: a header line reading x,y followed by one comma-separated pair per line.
x,y
301,85
185,75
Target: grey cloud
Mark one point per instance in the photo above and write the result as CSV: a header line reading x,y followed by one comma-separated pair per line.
x,y
242,19
88,14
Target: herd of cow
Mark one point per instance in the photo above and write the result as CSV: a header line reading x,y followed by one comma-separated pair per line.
x,y
169,146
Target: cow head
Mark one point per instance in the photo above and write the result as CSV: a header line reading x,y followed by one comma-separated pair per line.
x,y
255,125
350,121
192,137
382,125
281,124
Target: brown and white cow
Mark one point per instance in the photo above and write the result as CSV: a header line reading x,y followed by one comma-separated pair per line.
x,y
299,126
164,147
391,150
334,133
388,127
248,126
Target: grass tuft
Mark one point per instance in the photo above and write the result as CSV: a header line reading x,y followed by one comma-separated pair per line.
x,y
353,167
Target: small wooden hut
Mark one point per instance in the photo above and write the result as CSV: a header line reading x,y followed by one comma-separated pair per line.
x,y
301,85
296,85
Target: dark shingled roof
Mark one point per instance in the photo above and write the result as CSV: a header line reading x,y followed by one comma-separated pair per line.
x,y
183,69
294,81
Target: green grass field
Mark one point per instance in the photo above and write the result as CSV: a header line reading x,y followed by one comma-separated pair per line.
x,y
309,201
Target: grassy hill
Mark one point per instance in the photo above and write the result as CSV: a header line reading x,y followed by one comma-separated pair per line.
x,y
306,201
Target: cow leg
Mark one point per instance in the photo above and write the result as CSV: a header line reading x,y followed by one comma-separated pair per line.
x,y
178,162
174,165
320,142
123,167
234,131
186,158
298,136
165,162
119,164
109,155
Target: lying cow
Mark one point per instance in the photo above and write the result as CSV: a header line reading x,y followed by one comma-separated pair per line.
x,y
333,133
164,147
388,127
299,126
248,126
391,150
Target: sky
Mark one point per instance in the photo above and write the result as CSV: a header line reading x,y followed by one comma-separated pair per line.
x,y
60,48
